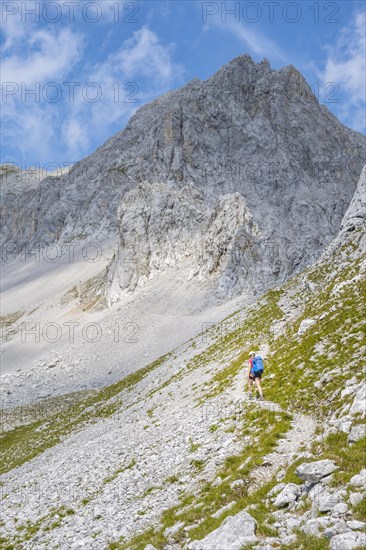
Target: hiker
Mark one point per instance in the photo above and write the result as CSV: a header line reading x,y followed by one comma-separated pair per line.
x,y
255,371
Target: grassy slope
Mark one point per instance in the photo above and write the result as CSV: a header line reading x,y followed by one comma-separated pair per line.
x,y
295,365
25,442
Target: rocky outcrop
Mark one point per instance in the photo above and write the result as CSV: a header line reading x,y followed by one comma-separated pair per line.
x,y
161,227
234,533
230,248
315,471
356,212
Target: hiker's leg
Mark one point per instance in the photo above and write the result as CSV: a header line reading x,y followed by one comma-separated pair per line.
x,y
259,387
250,386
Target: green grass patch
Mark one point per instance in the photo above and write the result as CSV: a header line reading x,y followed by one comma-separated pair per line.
x,y
351,460
359,510
23,443
307,542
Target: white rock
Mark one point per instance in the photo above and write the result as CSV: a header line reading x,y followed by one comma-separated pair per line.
x,y
288,539
355,498
359,480
276,489
216,482
315,471
289,494
338,527
351,382
347,391
327,479
329,503
173,529
345,426
323,499
292,523
234,533
340,508
237,484
357,433
315,526
354,524
305,325
347,541
359,402
224,509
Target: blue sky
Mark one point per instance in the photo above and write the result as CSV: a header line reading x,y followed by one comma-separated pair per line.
x,y
92,64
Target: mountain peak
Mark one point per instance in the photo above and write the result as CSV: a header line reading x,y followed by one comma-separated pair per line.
x,y
248,131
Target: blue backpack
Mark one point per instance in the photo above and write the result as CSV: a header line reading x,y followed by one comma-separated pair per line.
x,y
257,365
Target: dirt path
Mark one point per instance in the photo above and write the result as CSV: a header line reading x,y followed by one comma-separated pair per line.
x,y
301,432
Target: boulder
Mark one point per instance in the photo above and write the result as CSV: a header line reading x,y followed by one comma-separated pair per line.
x,y
224,509
355,498
359,402
289,494
316,526
315,471
359,480
234,533
357,433
292,523
340,509
326,501
280,475
337,528
354,524
238,484
327,479
323,500
348,541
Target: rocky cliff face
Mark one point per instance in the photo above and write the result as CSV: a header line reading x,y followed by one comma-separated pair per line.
x,y
356,213
162,227
258,174
353,224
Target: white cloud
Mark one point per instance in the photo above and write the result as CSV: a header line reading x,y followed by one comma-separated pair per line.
x,y
33,133
257,42
143,62
61,55
45,55
144,55
345,66
33,57
12,26
75,135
